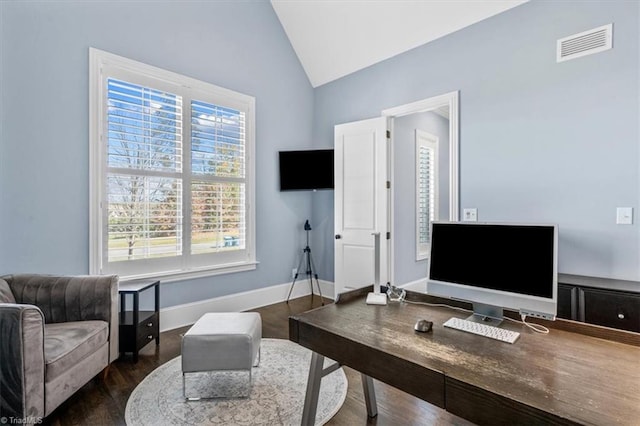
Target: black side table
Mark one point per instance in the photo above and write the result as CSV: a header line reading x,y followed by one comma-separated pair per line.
x,y
137,328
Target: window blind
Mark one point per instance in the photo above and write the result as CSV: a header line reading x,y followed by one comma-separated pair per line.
x,y
172,173
426,163
218,166
426,191
144,128
217,140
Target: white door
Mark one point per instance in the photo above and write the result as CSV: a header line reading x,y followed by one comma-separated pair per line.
x,y
361,202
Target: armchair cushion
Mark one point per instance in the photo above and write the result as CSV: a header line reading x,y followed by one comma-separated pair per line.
x,y
68,343
6,295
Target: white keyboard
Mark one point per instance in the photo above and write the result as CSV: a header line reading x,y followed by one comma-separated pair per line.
x,y
489,331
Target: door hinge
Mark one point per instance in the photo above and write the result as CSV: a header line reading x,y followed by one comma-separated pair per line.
x,y
388,134
388,184
388,235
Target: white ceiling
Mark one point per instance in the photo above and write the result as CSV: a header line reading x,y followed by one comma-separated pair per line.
x,y
333,38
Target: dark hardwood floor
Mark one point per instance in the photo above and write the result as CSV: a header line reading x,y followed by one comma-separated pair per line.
x,y
103,402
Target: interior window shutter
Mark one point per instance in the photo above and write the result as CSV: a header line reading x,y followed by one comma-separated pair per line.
x,y
426,191
172,173
426,158
218,163
144,162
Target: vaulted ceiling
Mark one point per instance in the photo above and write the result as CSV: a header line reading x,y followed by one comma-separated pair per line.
x,y
334,38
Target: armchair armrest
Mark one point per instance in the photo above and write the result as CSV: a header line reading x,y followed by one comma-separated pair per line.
x,y
72,298
22,368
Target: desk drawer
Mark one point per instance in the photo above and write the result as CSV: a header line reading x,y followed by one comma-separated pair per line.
x,y
610,309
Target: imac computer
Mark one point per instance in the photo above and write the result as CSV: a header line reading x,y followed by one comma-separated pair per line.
x,y
496,266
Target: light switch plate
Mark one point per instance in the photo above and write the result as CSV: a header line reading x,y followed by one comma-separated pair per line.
x,y
624,215
470,215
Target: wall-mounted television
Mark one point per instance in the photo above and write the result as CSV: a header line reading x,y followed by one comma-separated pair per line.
x,y
306,170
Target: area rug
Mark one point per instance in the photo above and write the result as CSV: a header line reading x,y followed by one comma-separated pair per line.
x,y
277,393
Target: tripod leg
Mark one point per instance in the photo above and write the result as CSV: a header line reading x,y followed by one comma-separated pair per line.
x,y
307,252
295,277
314,271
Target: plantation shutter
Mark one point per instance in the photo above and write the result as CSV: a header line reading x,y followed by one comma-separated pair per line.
x,y
426,156
172,173
426,191
218,143
144,163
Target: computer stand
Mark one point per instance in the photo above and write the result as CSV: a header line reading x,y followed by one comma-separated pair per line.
x,y
311,270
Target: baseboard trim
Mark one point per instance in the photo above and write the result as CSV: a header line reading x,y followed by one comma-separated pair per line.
x,y
188,313
417,285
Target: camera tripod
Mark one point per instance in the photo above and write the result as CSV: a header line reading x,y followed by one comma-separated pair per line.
x,y
311,271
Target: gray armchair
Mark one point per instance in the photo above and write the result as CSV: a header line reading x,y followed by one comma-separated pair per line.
x,y
56,334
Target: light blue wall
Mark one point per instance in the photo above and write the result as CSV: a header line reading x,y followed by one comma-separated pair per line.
x,y
406,268
539,141
44,150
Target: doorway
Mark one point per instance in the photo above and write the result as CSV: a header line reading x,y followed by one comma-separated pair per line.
x,y
365,193
412,200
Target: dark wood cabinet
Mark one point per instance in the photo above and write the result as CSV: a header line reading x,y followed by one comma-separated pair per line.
x,y
138,328
611,309
567,303
600,301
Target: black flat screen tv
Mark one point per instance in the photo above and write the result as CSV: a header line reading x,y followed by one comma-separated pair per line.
x,y
306,170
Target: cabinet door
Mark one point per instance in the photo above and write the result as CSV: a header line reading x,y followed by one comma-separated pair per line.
x,y
567,302
610,309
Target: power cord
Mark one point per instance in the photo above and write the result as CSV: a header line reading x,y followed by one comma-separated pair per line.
x,y
538,328
439,305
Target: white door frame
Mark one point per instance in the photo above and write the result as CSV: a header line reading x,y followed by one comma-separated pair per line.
x,y
450,99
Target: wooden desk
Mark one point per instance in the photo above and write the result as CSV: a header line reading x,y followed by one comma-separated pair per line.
x,y
566,377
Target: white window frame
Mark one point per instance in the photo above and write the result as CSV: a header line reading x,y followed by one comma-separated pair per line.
x,y
425,139
104,65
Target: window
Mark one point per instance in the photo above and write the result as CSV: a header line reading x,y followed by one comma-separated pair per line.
x,y
171,173
426,189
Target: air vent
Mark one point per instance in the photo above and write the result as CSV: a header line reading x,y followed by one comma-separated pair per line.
x,y
585,43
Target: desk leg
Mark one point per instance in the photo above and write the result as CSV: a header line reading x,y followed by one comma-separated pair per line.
x,y
313,390
369,395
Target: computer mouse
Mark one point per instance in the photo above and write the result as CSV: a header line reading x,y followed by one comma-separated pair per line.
x,y
423,326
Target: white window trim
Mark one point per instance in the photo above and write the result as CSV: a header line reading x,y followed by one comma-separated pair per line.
x,y
98,61
425,139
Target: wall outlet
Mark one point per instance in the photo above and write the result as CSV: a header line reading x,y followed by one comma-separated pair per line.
x,y
624,216
470,215
294,271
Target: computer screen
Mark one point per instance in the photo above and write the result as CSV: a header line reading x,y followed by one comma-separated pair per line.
x,y
499,265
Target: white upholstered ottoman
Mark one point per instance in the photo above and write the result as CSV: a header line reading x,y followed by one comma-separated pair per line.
x,y
222,341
